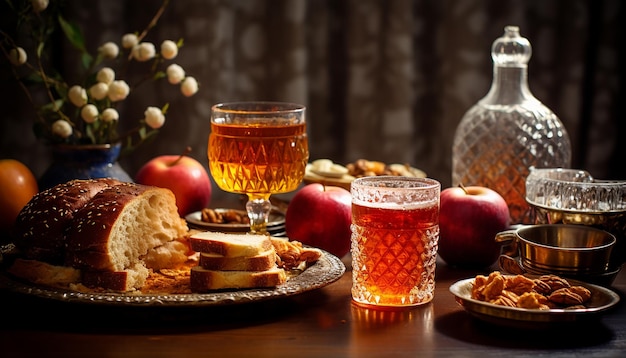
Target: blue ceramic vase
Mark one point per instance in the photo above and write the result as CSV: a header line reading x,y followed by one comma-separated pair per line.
x,y
83,162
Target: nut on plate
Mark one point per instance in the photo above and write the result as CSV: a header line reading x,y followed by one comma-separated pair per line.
x,y
213,216
546,292
326,172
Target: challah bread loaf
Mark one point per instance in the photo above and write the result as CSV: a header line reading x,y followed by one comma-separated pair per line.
x,y
203,280
120,224
106,229
41,225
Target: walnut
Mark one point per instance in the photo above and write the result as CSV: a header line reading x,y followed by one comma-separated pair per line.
x,y
364,167
493,287
233,216
542,287
479,283
210,216
519,284
575,307
533,300
503,301
565,296
555,282
546,292
225,217
291,254
584,293
510,295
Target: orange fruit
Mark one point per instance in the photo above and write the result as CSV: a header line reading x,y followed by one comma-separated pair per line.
x,y
17,187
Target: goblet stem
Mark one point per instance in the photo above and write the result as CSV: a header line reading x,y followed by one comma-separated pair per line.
x,y
258,212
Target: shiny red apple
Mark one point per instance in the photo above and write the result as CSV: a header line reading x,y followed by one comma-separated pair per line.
x,y
469,219
183,175
320,216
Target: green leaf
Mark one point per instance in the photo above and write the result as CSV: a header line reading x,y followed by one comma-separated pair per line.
x,y
52,107
40,47
142,132
90,134
86,60
73,34
32,79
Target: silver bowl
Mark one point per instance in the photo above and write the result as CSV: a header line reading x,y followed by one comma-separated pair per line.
x,y
574,197
567,250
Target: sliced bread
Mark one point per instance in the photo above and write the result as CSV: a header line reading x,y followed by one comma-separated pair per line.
x,y
203,280
108,232
43,273
230,245
126,280
262,262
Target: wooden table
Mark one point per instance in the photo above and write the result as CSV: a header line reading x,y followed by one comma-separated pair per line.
x,y
320,323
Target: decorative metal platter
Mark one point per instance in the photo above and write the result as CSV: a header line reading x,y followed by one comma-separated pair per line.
x,y
325,271
602,299
276,220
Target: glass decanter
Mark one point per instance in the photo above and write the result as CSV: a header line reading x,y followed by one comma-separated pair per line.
x,y
508,131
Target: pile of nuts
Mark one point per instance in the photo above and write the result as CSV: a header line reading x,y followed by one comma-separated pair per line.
x,y
363,168
224,217
544,293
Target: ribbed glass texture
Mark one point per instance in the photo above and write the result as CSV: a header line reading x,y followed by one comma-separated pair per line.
x,y
495,145
508,131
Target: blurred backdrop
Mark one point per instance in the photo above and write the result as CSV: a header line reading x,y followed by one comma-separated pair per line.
x,y
382,80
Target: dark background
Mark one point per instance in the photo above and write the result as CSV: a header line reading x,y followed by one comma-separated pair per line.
x,y
382,80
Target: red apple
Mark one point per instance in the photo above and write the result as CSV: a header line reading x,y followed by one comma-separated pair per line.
x,y
183,175
469,219
320,216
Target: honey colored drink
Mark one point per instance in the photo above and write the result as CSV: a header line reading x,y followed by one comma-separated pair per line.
x,y
258,159
258,149
394,244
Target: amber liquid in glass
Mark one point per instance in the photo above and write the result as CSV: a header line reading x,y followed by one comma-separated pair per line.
x,y
258,159
395,251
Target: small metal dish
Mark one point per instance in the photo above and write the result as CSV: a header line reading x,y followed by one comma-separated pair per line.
x,y
602,300
560,249
574,197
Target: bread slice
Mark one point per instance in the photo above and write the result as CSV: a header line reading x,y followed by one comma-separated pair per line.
x,y
120,225
230,245
203,280
127,280
262,262
43,273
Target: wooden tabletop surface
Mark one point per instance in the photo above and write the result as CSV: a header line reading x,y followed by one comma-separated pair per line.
x,y
319,323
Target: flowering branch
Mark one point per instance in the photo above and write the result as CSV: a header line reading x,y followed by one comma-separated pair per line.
x,y
86,113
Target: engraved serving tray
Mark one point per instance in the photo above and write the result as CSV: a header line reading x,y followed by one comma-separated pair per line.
x,y
325,271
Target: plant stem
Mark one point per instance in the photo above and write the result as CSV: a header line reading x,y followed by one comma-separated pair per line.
x,y
184,154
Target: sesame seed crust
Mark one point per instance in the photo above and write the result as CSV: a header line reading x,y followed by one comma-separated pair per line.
x,y
41,225
102,227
